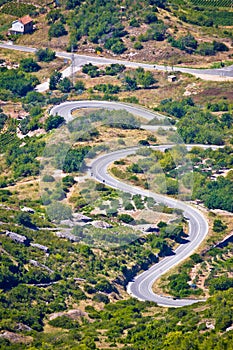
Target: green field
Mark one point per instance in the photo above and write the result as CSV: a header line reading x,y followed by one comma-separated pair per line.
x,y
212,3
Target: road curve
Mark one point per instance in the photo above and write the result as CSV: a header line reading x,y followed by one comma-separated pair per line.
x,y
141,286
79,60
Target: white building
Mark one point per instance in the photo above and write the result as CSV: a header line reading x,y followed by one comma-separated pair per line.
x,y
22,25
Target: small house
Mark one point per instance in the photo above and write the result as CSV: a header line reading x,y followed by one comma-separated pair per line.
x,y
23,25
171,78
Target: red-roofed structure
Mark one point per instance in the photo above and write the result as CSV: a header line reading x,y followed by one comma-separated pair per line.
x,y
22,25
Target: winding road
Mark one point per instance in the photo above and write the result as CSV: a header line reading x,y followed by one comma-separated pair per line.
x,y
79,60
141,286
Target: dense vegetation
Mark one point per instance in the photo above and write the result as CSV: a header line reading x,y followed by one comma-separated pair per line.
x,y
14,82
199,125
17,9
165,172
69,294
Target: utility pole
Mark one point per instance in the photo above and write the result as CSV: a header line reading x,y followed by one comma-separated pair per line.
x,y
72,65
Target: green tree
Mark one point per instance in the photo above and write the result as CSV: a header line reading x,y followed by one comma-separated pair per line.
x,y
56,30
126,218
219,226
58,211
144,78
23,218
227,120
34,97
53,122
79,85
130,83
65,85
55,79
3,119
45,55
29,65
74,160
118,48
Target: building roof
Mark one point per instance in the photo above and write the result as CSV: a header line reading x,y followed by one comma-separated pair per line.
x,y
25,20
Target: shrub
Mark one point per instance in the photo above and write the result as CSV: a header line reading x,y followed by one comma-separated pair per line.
x,y
126,218
17,9
55,79
64,322
65,85
79,85
59,211
56,30
3,119
129,206
101,298
48,178
104,286
138,45
206,49
53,122
29,65
219,226
45,55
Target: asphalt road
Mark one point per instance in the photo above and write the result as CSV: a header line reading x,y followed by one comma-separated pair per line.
x,y
141,286
65,109
80,60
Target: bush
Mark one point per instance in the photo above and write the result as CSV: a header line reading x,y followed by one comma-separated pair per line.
x,y
17,9
3,119
206,49
91,70
150,18
65,85
101,298
220,283
114,69
143,143
107,88
219,226
138,45
55,79
24,219
129,206
29,65
48,178
34,97
64,322
17,82
45,55
53,122
126,218
104,286
56,30
79,85
74,160
59,211
118,48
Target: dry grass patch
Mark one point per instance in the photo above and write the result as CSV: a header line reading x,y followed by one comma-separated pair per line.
x,y
26,189
47,68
